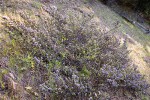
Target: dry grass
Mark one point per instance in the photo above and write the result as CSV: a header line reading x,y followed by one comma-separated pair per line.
x,y
137,55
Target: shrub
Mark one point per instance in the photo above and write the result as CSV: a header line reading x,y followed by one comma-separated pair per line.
x,y
72,58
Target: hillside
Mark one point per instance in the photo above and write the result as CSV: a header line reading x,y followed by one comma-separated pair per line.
x,y
71,49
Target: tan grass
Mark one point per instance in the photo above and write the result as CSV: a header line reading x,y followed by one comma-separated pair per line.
x,y
137,55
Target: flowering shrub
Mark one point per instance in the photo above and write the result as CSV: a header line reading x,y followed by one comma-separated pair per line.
x,y
72,59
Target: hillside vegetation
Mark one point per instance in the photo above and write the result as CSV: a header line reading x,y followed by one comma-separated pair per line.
x,y
63,50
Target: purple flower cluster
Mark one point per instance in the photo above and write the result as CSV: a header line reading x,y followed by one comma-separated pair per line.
x,y
128,78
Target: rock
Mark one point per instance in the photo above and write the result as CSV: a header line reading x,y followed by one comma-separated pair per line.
x,y
5,17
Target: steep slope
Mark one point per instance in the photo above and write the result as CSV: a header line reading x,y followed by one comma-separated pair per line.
x,y
48,48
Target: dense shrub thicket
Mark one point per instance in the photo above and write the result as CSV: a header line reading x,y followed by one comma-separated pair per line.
x,y
70,58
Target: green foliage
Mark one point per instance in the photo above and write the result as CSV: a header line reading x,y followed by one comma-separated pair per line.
x,y
29,61
2,73
85,72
